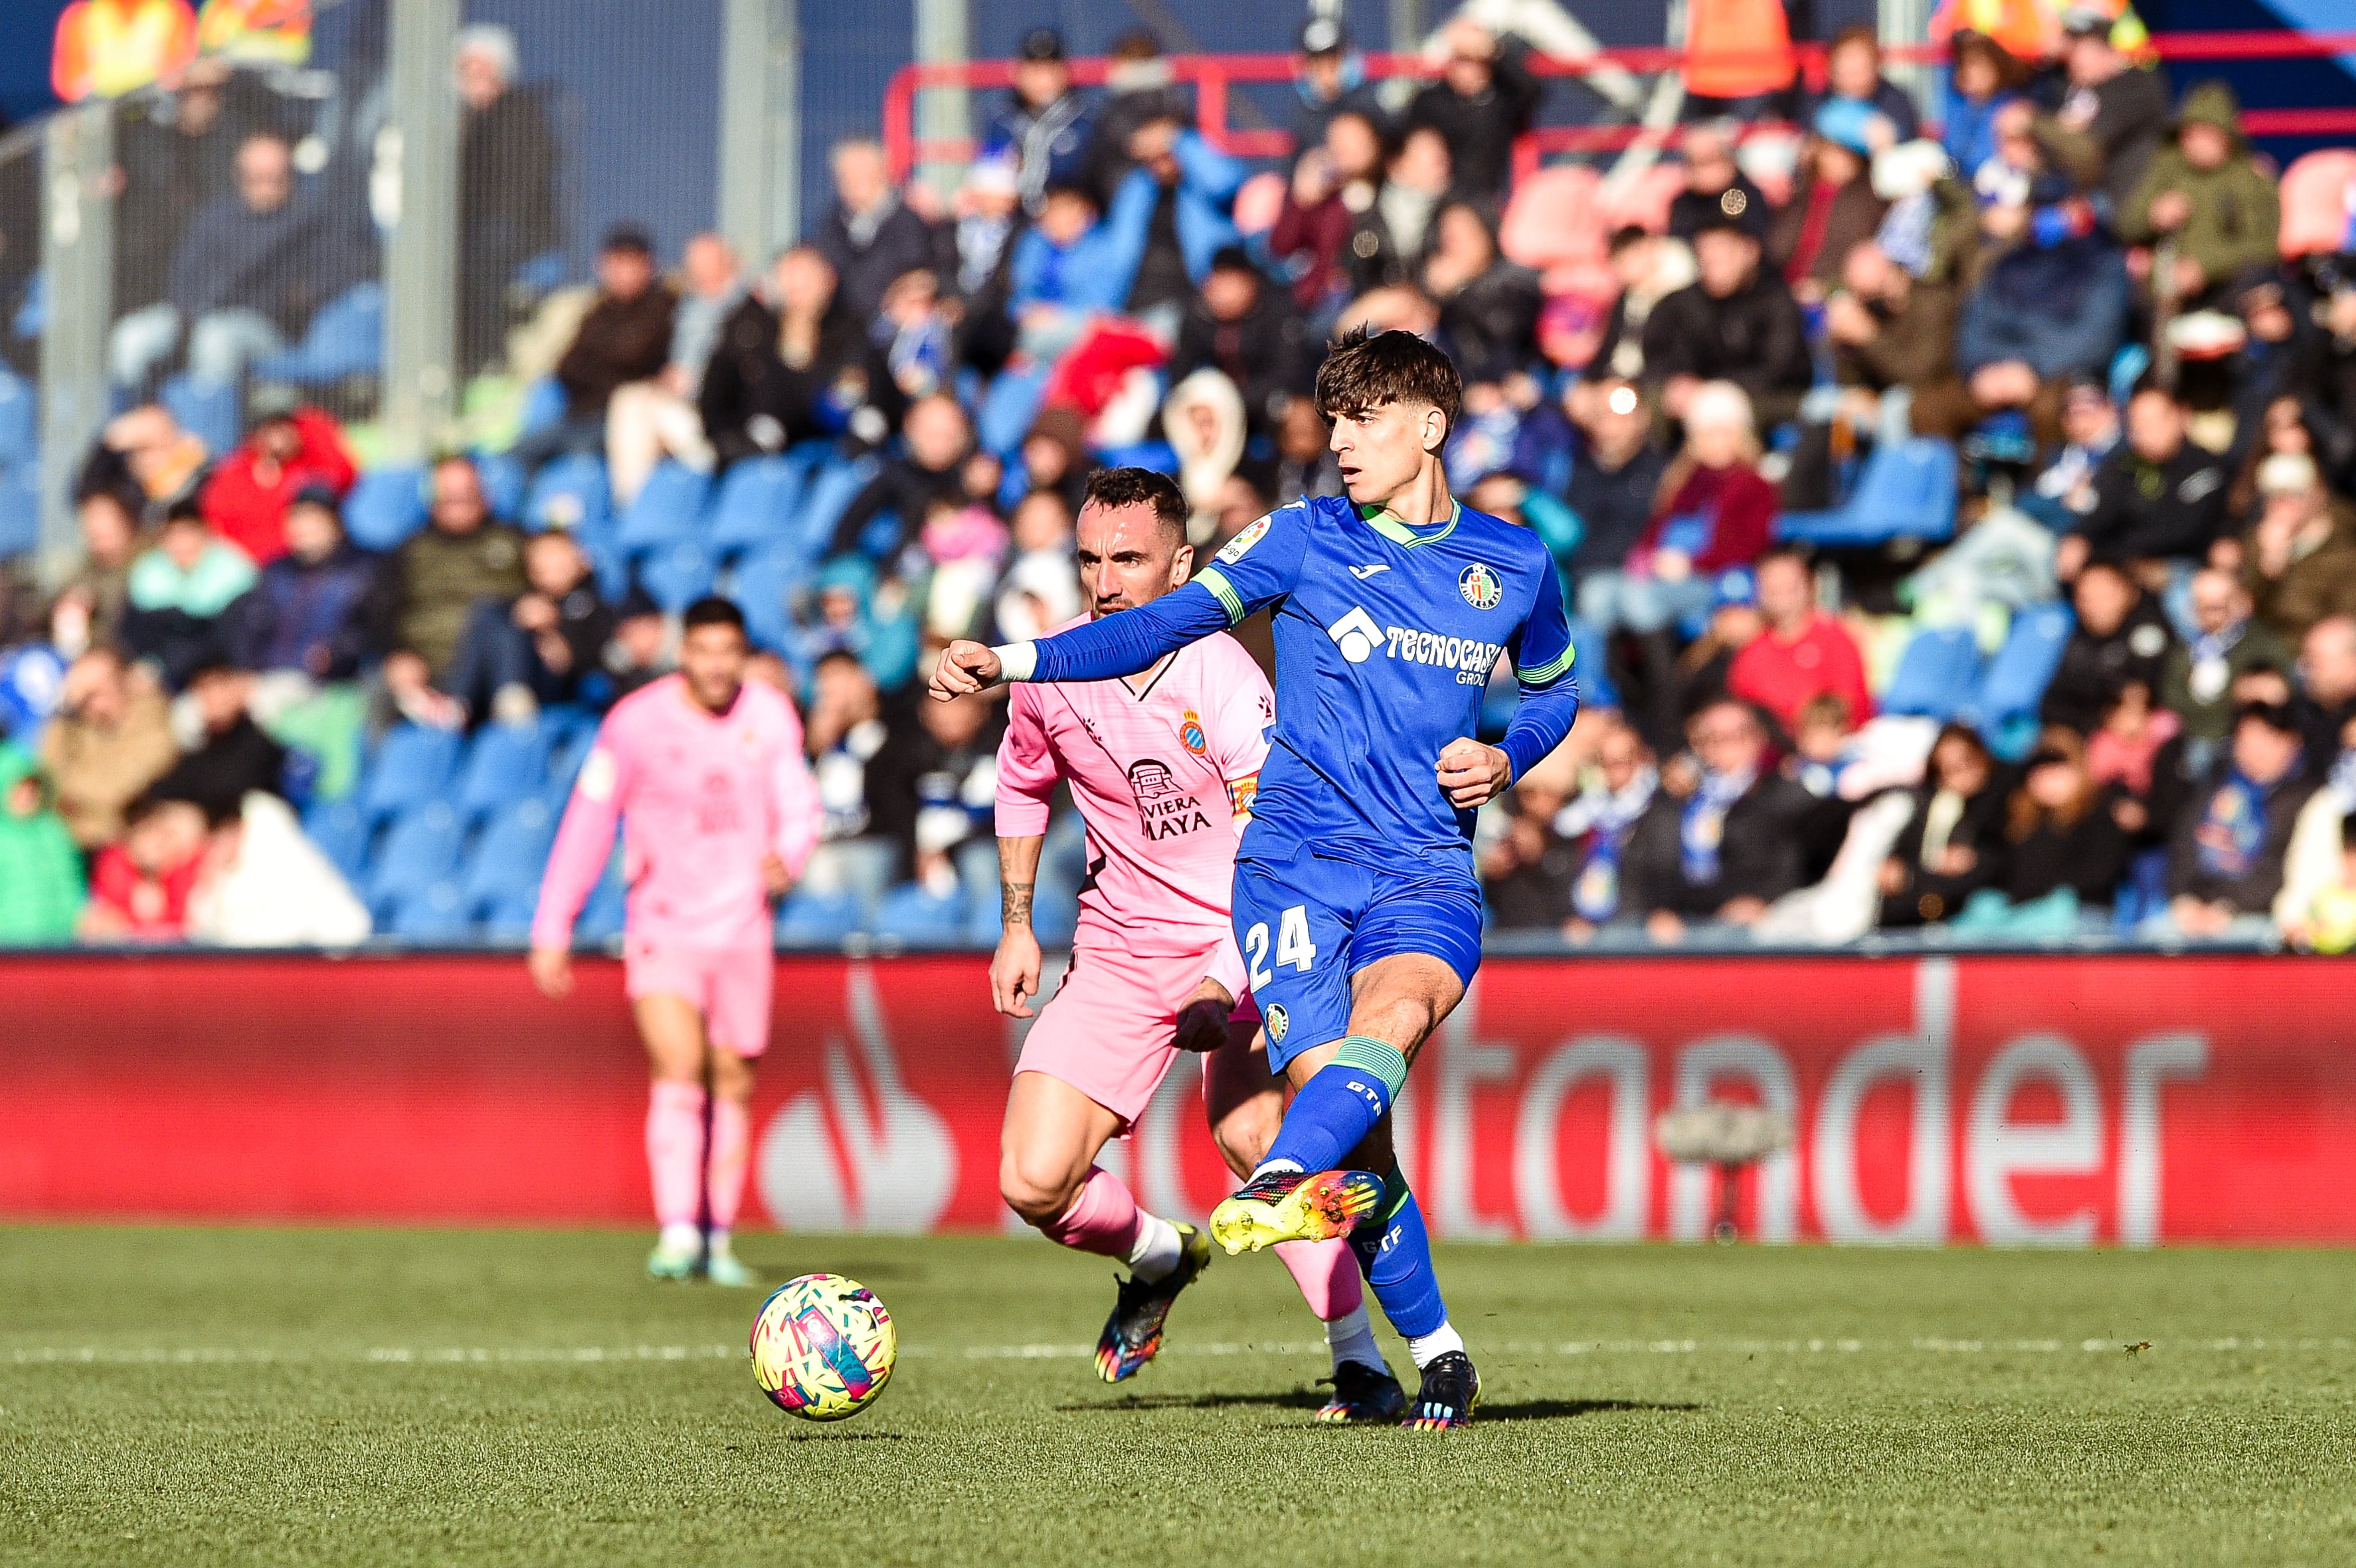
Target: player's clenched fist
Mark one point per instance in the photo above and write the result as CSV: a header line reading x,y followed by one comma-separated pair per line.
x,y
1473,774
965,668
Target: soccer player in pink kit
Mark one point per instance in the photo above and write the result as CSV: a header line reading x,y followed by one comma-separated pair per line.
x,y
1162,766
705,771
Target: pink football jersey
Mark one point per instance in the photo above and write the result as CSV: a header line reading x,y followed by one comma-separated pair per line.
x,y
704,798
1162,766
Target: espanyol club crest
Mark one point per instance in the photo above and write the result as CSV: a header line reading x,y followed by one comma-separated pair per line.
x,y
1190,732
1482,587
1277,1020
1235,548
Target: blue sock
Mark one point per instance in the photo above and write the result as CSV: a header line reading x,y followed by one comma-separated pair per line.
x,y
1339,1106
1395,1254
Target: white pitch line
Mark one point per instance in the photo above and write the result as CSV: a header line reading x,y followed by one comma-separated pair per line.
x,y
542,1355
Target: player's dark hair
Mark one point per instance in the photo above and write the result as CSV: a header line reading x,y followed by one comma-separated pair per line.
x,y
712,611
1368,370
1113,489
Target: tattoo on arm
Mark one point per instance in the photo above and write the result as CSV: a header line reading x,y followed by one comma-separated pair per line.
x,y
1014,903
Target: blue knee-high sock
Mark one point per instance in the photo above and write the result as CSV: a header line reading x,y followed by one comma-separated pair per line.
x,y
1395,1254
1339,1105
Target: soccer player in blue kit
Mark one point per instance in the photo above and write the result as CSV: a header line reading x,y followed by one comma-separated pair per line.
x,y
1355,903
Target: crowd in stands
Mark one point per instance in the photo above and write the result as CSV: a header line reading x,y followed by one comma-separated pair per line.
x,y
1953,499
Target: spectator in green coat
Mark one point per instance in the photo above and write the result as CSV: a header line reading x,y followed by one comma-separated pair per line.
x,y
40,870
2211,193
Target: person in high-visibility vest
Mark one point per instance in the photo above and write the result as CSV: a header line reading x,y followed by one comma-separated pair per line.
x,y
1738,53
108,48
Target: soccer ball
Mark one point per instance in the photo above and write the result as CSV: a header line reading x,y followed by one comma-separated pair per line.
x,y
823,1347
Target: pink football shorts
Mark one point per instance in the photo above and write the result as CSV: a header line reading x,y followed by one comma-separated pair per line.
x,y
1107,1030
729,986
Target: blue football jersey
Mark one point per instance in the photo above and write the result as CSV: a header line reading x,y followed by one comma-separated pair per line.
x,y
1385,636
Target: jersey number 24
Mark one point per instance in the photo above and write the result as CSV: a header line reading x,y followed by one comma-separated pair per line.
x,y
1292,945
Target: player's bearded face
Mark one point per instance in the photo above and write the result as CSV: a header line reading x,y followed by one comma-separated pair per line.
x,y
1382,450
1127,558
711,661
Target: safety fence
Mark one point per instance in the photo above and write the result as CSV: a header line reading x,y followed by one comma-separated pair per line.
x,y
2002,1100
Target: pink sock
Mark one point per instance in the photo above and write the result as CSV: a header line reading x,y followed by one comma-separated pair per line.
x,y
724,1165
1103,1219
675,1150
1327,1273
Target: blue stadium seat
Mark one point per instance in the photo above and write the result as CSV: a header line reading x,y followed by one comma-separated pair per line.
x,y
33,314
420,849
411,765
755,504
912,915
569,493
20,511
543,406
832,490
208,411
508,859
434,913
666,510
809,919
543,273
19,429
678,574
342,831
1906,491
764,589
385,506
2014,686
345,338
506,763
1937,677
505,482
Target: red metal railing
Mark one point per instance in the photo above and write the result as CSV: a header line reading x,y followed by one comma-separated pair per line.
x,y
1212,75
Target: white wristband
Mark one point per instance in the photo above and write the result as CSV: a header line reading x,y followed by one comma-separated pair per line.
x,y
1017,660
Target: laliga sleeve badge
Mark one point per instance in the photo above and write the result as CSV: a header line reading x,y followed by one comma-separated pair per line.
x,y
1236,549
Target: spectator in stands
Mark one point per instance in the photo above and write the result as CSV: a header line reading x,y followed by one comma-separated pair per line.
x,y
232,756
290,448
2141,752
937,438
507,188
2318,889
2207,198
1305,464
846,728
647,420
1834,209
625,337
144,450
264,884
1071,264
1488,305
1390,241
2156,497
1598,824
111,737
2225,863
1717,844
1247,329
1054,458
317,611
643,648
1736,322
2327,686
2118,106
869,234
1714,513
2197,685
2050,301
1861,100
461,555
2122,635
1737,61
2062,831
1485,99
2298,560
1192,187
1328,203
1985,78
1614,481
177,593
944,764
1650,268
1044,126
42,890
1529,872
1040,589
533,649
1804,653
1890,330
101,583
1716,187
250,272
2063,492
793,367
1329,80
1203,420
139,888
1138,92
1953,846
178,152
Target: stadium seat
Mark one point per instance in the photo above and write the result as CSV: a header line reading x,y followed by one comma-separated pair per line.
x,y
342,831
832,490
678,574
1906,491
434,913
412,766
911,916
764,587
505,483
20,511
570,493
385,506
1937,677
543,407
2017,677
506,762
755,504
19,425
2316,205
345,338
1554,218
508,859
811,919
209,412
420,849
667,511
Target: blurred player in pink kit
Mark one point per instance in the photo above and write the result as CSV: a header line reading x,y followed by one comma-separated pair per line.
x,y
1162,766
705,771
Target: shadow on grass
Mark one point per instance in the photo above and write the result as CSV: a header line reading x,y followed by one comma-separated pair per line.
x,y
1568,1409
1292,1399
846,1437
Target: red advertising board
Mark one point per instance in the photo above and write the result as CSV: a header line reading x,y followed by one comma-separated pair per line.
x,y
2018,1100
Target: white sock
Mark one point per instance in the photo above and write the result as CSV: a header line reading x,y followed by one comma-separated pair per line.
x,y
1428,1348
1352,1338
716,1242
682,1237
1267,1164
1156,1252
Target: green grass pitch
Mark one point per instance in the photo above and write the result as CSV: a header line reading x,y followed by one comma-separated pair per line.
x,y
369,1397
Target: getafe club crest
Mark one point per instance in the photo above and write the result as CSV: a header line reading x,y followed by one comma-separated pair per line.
x,y
1277,1020
1482,587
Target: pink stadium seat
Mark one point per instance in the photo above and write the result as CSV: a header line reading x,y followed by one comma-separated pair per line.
x,y
1554,219
1643,200
2317,203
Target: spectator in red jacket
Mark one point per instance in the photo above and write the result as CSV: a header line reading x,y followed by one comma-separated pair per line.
x,y
1804,653
291,449
139,888
1713,515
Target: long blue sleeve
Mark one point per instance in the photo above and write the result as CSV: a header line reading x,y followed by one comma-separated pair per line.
x,y
1540,723
1129,641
